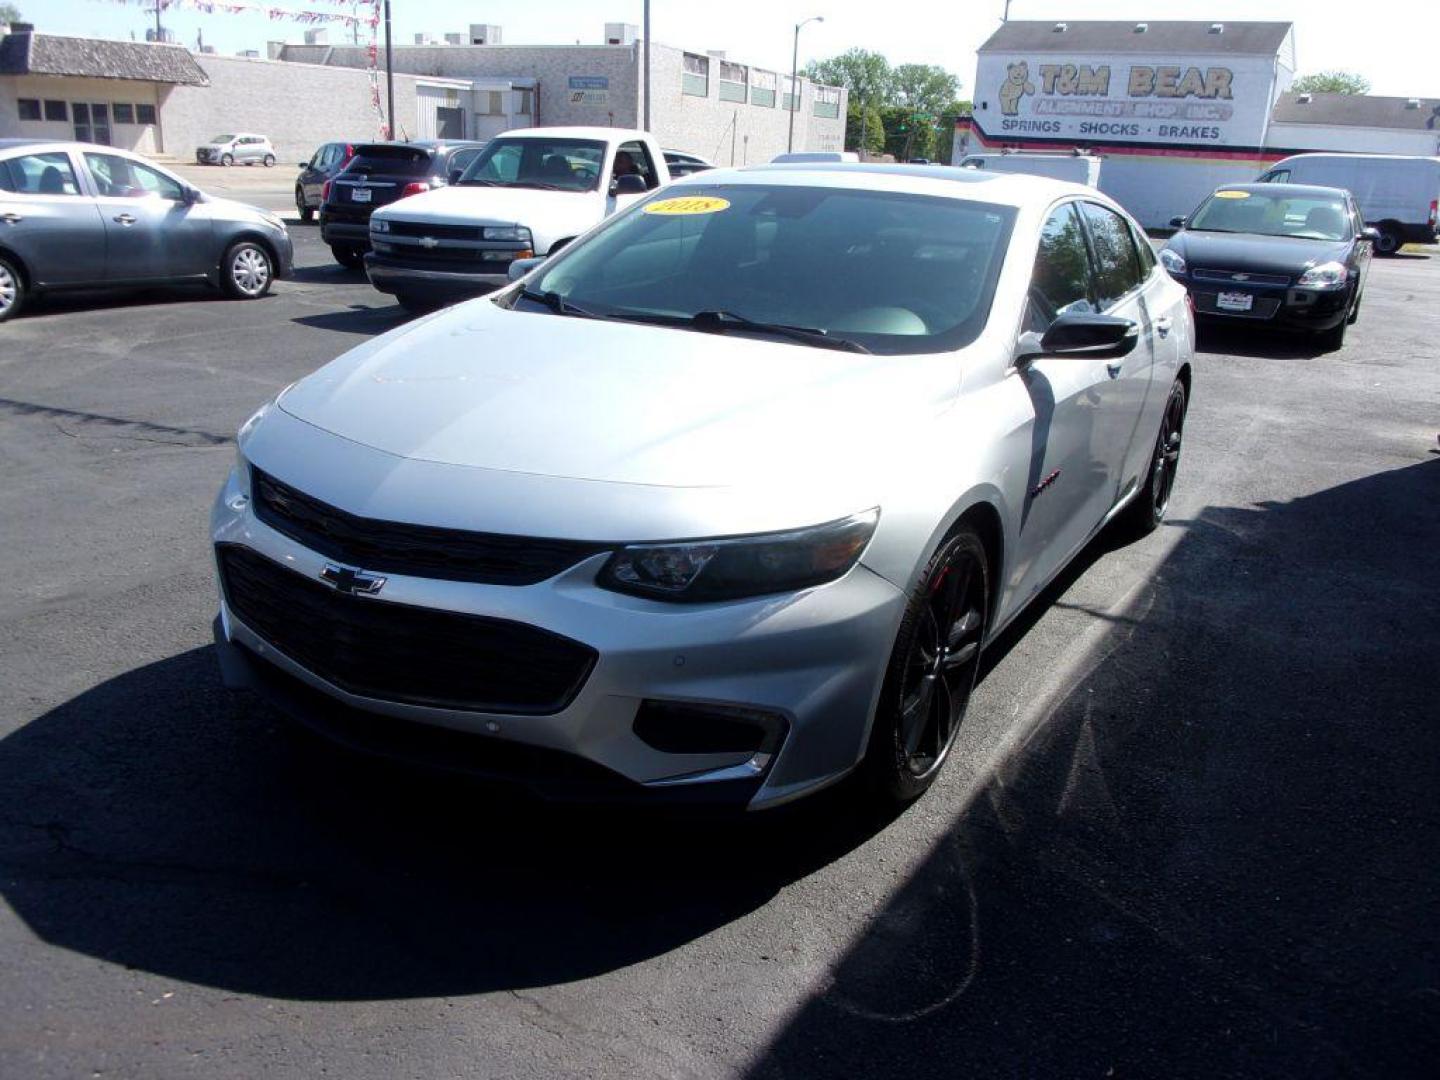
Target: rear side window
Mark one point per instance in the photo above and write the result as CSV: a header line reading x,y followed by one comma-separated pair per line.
x,y
39,174
390,161
1117,263
1060,284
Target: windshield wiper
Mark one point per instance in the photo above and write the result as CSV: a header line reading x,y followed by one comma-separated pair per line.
x,y
721,322
556,303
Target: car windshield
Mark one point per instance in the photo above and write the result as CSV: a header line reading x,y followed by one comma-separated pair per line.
x,y
895,273
558,164
1311,217
222,138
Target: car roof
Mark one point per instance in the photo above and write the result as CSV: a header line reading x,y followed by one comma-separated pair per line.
x,y
6,144
602,134
1285,189
1007,189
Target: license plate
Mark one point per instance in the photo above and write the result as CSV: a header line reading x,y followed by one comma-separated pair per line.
x,y
1235,301
362,194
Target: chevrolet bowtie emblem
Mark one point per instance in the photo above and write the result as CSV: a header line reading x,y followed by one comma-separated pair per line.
x,y
1239,277
352,582
429,242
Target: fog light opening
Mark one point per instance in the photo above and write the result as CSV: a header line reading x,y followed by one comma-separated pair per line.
x,y
675,727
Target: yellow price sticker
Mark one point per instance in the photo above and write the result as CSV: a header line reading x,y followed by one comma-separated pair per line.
x,y
1232,194
692,204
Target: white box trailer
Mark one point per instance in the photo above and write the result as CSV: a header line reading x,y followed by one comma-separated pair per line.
x,y
1398,195
1076,168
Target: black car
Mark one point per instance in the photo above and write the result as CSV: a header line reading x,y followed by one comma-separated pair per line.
x,y
679,163
1284,255
381,173
326,162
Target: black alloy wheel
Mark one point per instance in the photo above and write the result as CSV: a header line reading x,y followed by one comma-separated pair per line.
x,y
306,212
1390,240
1150,504
932,669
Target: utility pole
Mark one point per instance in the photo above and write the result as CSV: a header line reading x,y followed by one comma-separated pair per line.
x,y
1006,16
389,75
159,31
646,62
794,84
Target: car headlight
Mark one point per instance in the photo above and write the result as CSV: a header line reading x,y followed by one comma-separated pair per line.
x,y
378,224
1330,275
1172,261
737,567
507,232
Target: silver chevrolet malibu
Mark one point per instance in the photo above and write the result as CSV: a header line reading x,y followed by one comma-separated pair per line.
x,y
81,216
724,501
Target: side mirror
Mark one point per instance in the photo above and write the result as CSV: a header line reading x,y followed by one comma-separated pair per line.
x,y
520,267
1367,233
304,164
629,184
189,195
1100,337
1177,223
455,175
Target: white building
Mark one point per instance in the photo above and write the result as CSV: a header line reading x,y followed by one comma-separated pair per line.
x,y
1356,123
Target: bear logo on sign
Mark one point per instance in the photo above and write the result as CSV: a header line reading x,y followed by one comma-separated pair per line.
x,y
1016,85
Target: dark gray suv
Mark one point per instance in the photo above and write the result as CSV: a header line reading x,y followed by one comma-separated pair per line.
x,y
76,215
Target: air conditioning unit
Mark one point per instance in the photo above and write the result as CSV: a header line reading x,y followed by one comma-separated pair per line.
x,y
484,34
618,33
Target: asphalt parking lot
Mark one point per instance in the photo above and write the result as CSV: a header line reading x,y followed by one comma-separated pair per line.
x,y
1190,828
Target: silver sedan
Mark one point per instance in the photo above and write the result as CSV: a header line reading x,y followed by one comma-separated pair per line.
x,y
80,216
724,501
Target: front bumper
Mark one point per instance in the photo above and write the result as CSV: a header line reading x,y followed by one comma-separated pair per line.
x,y
816,659
207,157
1281,307
284,255
392,275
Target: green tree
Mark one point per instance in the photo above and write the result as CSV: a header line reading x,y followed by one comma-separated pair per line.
x,y
865,74
9,13
864,128
1331,82
925,88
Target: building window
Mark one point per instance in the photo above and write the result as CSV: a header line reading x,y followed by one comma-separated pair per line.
x,y
29,108
491,103
56,111
124,112
789,100
827,102
762,88
696,79
733,80
524,102
145,114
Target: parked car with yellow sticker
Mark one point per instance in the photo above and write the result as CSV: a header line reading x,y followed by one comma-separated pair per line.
x,y
530,192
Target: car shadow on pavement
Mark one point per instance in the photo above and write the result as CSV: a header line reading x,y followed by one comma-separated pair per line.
x,y
61,303
1245,340
1217,855
357,319
327,274
159,822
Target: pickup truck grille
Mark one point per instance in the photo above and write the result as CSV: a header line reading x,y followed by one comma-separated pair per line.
x,y
480,261
437,230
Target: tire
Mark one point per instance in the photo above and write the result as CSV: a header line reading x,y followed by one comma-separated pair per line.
x,y
247,271
227,160
307,213
415,304
932,671
1354,316
12,289
1390,240
348,256
1147,510
1333,340
268,161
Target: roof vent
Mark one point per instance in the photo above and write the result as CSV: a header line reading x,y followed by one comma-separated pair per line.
x,y
1303,99
1059,28
1140,28
1217,28
1412,103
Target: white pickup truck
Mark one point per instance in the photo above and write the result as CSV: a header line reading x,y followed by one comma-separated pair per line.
x,y
530,192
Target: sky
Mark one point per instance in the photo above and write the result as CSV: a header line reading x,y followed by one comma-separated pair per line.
x,y
1390,42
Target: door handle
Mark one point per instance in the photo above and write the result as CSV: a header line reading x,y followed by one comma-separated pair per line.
x,y
1163,324
1113,367
11,218
125,219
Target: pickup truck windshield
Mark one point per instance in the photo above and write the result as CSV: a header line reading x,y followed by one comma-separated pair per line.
x,y
894,272
554,164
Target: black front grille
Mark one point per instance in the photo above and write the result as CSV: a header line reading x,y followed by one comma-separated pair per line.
x,y
437,230
417,550
1226,276
1262,307
395,652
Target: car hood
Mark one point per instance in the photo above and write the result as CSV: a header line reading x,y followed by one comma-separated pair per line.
x,y
1252,253
497,206
485,387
